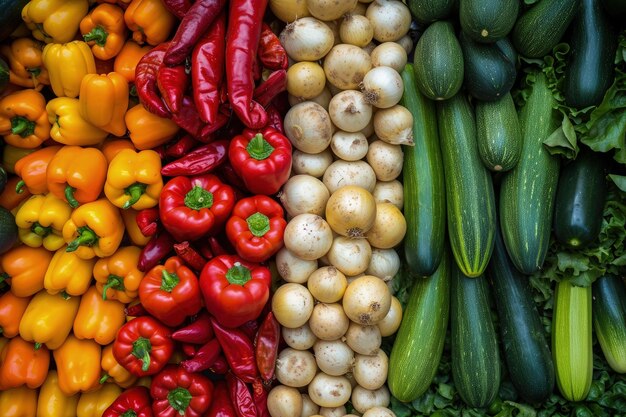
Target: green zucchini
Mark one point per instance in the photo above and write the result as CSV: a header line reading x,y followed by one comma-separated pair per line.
x,y
571,340
542,26
11,16
475,357
499,134
506,47
438,62
527,192
8,230
609,319
469,188
580,199
418,345
526,348
424,187
488,20
427,11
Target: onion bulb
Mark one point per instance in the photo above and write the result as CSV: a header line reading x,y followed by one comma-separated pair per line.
x,y
313,164
356,29
407,43
351,211
329,391
330,9
341,173
292,305
305,79
378,412
327,284
385,263
346,65
328,321
389,192
366,300
383,87
389,54
284,401
350,111
333,357
301,338
308,236
304,194
309,408
293,269
391,19
385,159
370,371
306,39
349,146
394,125
308,127
350,256
390,324
322,99
389,227
365,340
295,368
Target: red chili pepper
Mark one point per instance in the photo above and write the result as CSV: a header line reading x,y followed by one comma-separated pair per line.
x,y
221,406
133,401
216,247
266,347
177,7
260,398
275,118
204,357
189,349
197,19
157,248
146,81
136,310
238,350
180,147
275,84
242,41
176,392
188,119
240,396
207,70
220,366
148,221
199,332
172,83
201,160
223,118
205,251
189,255
229,176
271,52
250,328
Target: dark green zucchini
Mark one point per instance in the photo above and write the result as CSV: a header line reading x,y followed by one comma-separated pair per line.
x,y
488,20
609,319
580,198
590,70
4,74
526,349
507,48
428,11
423,183
8,230
10,16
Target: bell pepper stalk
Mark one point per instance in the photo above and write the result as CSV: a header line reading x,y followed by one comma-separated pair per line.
x,y
104,30
68,273
104,100
143,346
198,332
262,159
133,402
235,290
256,228
170,292
23,119
113,371
192,207
40,221
134,179
32,170
78,365
175,391
22,364
201,160
117,276
25,62
57,58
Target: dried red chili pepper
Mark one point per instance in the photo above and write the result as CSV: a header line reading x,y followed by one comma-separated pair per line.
x,y
271,52
240,396
228,175
157,248
189,349
204,357
220,366
238,350
217,248
221,406
201,160
275,84
146,81
180,147
177,7
189,255
275,118
260,398
250,328
199,332
188,119
266,347
135,310
172,83
148,221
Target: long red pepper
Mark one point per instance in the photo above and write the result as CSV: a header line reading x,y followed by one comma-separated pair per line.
x,y
204,357
238,350
146,81
136,310
221,406
195,22
220,366
199,161
172,83
275,84
240,396
266,347
177,7
180,147
189,255
148,221
260,398
156,249
189,349
198,332
271,52
188,119
275,118
242,41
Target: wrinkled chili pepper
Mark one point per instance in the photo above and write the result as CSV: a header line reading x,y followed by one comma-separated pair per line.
x,y
172,83
146,74
156,249
188,119
180,147
197,19
228,175
266,347
135,310
220,366
242,41
217,248
222,120
275,84
250,328
177,7
271,52
240,396
204,357
189,255
201,160
260,398
199,332
275,118
221,406
148,221
238,350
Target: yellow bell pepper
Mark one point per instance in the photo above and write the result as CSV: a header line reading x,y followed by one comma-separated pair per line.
x,y
113,371
93,404
68,126
149,20
117,277
48,319
67,64
24,58
25,268
132,229
18,402
67,272
53,402
54,20
98,319
147,130
104,101
23,119
78,365
40,221
134,179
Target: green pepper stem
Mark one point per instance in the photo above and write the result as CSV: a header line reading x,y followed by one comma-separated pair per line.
x,y
104,378
115,282
69,196
22,126
19,187
141,350
40,230
259,224
97,34
133,91
179,399
3,278
86,237
37,346
198,198
129,413
135,191
169,280
258,148
65,295
34,72
238,274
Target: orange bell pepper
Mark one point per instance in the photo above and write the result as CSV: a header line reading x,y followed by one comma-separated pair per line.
x,y
117,277
23,119
25,268
26,63
18,402
150,21
11,154
98,319
93,404
68,126
78,365
67,272
9,198
32,170
76,174
54,20
128,58
113,371
104,30
11,311
104,100
112,146
67,64
147,130
52,402
129,217
23,364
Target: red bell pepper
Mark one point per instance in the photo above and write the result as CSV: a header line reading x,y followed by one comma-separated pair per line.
x,y
192,207
176,392
134,402
234,290
170,292
143,346
256,228
262,159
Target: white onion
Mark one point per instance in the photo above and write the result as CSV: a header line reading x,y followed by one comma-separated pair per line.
x,y
362,339
369,48
370,371
301,338
309,408
306,79
391,19
283,401
307,39
294,269
389,192
333,25
350,256
350,111
349,146
333,357
330,9
308,236
389,54
359,9
346,65
366,300
295,368
308,127
328,321
390,324
356,29
313,164
292,304
369,129
363,399
342,173
394,125
327,284
379,412
383,87
329,391
351,212
322,99
407,43
389,227
384,264
304,194
333,411
385,159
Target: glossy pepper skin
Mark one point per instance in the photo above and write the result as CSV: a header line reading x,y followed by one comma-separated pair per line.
x,y
271,52
25,267
18,402
221,406
78,365
201,160
9,198
12,309
143,346
53,402
24,56
235,291
54,21
176,392
104,30
69,127
98,319
32,170
49,318
262,159
117,276
77,175
147,130
93,404
113,371
266,344
129,216
134,401
146,81
256,228
170,292
104,100
149,20
22,364
128,58
67,64
191,207
112,146
69,273
23,119
134,179
40,221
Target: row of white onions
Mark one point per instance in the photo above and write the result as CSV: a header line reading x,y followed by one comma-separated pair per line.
x,y
344,204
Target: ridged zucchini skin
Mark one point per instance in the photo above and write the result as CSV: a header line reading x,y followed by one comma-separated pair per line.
x,y
418,346
423,183
438,62
488,20
580,199
527,192
475,356
506,47
427,11
609,319
571,340
499,134
542,26
526,349
469,187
